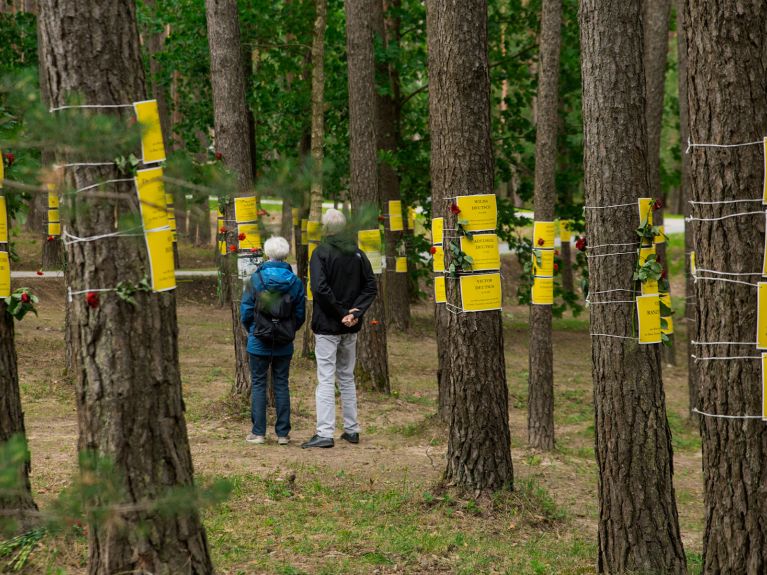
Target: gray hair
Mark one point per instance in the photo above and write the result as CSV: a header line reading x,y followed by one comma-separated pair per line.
x,y
277,248
334,221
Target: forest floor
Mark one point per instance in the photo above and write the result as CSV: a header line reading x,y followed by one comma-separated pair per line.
x,y
373,508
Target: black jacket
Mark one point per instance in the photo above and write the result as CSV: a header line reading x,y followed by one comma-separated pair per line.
x,y
341,279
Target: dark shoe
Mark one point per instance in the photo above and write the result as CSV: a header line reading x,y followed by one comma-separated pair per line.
x,y
317,441
351,437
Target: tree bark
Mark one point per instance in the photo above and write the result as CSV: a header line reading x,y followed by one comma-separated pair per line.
x,y
128,387
638,522
372,362
232,137
726,47
479,444
540,401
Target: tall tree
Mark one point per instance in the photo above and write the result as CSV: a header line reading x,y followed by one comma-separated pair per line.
x,y
540,402
232,137
726,48
372,364
479,444
638,522
128,386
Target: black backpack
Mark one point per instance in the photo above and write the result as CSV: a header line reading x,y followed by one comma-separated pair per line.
x,y
273,321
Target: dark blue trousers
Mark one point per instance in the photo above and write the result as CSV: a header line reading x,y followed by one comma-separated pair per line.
x,y
259,370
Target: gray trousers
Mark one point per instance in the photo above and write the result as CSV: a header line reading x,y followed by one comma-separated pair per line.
x,y
336,356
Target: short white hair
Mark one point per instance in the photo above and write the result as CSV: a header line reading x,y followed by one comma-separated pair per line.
x,y
277,248
334,221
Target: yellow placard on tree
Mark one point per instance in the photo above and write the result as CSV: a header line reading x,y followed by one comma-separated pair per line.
x,y
483,249
644,253
151,197
440,292
761,316
295,213
395,216
5,275
480,211
159,245
546,267
650,287
481,292
314,231
400,265
645,211
54,229
543,235
437,228
171,219
152,146
660,238
309,294
693,269
245,209
369,241
764,387
648,313
565,233
168,200
543,291
438,261
3,219
53,198
54,216
411,215
222,247
252,238
304,236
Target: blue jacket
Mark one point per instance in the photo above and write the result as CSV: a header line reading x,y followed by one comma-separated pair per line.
x,y
277,277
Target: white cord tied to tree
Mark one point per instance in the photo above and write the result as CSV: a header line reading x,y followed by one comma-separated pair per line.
x,y
722,343
717,202
728,273
83,164
694,219
83,106
71,293
701,278
724,357
613,335
612,254
609,207
704,414
691,145
612,245
99,184
70,239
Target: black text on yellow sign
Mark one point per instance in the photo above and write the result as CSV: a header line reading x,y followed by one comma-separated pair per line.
x,y
481,292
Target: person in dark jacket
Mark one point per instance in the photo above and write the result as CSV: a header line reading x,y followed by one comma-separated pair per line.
x,y
344,287
273,279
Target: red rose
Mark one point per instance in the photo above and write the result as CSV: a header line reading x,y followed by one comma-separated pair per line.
x,y
9,158
51,238
223,230
541,241
580,244
24,297
432,250
253,250
232,249
39,272
219,156
455,209
263,212
556,252
92,299
556,267
658,204
381,219
374,322
241,237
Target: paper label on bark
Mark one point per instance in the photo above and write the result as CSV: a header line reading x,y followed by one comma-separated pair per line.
x,y
411,215
246,266
648,312
152,146
645,211
644,253
481,292
660,238
693,269
440,293
400,265
764,387
5,275
438,261
3,219
222,248
151,197
650,287
53,198
369,241
761,316
169,200
304,235
294,212
252,236
54,216
543,235
171,220
565,233
480,211
437,227
543,291
483,249
245,209
160,248
54,229
314,231
396,223
546,267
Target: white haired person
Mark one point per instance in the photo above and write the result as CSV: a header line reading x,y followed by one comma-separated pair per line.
x,y
273,308
343,287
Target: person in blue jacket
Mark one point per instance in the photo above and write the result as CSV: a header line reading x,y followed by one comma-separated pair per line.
x,y
274,299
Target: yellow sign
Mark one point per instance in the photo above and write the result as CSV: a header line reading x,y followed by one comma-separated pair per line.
x,y
665,299
543,235
483,249
152,146
5,274
369,241
761,316
650,287
644,253
172,219
159,245
648,312
437,226
151,197
395,216
54,216
252,236
53,198
660,238
245,209
314,231
645,211
543,291
222,248
3,218
440,293
438,263
54,229
481,292
481,212
693,269
309,295
169,200
294,212
411,215
547,263
400,265
764,384
565,233
304,236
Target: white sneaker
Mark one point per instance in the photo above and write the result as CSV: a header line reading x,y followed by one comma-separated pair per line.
x,y
283,440
257,439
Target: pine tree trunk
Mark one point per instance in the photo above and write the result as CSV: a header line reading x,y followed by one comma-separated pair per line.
x,y
231,117
443,363
128,386
479,444
372,363
638,523
540,402
726,48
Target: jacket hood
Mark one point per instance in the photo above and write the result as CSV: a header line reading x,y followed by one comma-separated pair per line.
x,y
343,242
276,276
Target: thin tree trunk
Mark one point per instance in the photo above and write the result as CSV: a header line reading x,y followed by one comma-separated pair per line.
x,y
372,362
540,402
128,386
479,443
231,118
726,50
638,522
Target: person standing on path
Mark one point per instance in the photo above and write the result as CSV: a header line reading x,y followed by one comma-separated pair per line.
x,y
343,286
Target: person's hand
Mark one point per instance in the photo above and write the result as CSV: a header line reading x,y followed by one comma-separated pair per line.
x,y
349,320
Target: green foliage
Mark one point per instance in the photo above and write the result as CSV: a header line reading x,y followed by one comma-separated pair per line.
x,y
18,549
21,302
